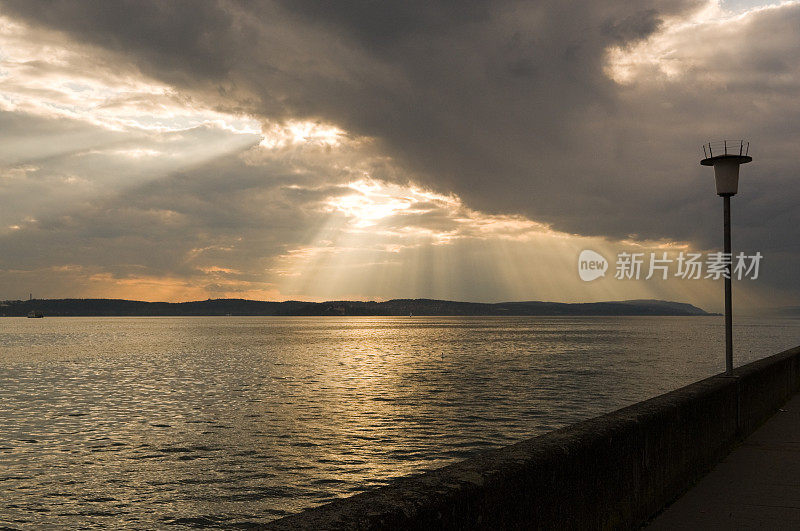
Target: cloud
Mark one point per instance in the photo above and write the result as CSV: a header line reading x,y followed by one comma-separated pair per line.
x,y
505,104
581,118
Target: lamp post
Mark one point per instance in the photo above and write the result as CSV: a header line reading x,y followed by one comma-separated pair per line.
x,y
729,156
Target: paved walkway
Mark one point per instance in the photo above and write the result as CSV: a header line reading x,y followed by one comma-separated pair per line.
x,y
756,487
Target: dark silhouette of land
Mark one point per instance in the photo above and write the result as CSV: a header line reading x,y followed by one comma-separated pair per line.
x,y
397,307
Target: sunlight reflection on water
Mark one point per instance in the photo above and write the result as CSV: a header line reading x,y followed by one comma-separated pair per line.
x,y
142,422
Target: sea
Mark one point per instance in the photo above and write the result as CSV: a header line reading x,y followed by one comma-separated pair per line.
x,y
203,422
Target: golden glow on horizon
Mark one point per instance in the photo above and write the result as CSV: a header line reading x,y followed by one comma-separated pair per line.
x,y
378,245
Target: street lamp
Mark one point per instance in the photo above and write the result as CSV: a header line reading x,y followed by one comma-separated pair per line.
x,y
726,156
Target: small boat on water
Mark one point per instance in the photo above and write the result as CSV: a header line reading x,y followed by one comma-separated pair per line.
x,y
33,314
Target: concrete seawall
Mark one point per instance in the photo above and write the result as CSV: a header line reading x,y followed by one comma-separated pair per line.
x,y
612,471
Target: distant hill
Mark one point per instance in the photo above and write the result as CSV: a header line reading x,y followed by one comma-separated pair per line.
x,y
119,307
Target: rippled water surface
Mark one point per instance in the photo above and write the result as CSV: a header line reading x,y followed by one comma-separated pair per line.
x,y
192,422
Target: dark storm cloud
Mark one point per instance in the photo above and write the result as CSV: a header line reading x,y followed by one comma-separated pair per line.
x,y
484,99
507,104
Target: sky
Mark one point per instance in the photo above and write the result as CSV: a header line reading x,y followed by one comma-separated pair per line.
x,y
321,150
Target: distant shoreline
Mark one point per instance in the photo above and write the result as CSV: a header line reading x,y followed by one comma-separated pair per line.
x,y
395,307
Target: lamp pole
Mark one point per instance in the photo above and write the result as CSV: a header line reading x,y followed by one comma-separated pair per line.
x,y
728,303
730,155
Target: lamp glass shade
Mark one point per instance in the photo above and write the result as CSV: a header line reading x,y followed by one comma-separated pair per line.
x,y
726,173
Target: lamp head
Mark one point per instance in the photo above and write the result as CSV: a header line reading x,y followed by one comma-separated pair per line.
x,y
726,164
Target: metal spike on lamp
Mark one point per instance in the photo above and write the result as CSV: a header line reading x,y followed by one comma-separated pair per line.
x,y
726,156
